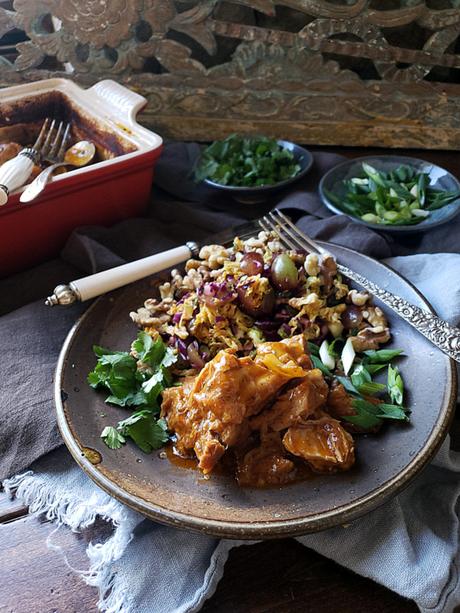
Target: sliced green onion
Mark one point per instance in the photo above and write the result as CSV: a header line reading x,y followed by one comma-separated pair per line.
x,y
420,213
325,356
348,355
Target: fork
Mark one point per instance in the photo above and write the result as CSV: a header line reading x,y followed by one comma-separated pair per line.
x,y
105,281
439,332
48,146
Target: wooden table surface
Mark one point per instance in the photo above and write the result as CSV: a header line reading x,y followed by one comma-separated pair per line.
x,y
275,576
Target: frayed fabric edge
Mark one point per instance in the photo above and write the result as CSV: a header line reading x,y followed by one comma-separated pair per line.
x,y
212,577
63,509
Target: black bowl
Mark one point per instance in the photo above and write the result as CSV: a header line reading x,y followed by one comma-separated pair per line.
x,y
254,195
331,188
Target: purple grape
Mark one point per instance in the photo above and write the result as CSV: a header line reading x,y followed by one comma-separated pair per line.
x,y
351,317
256,305
252,263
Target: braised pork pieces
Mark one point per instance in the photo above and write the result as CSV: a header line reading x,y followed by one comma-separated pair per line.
x,y
270,412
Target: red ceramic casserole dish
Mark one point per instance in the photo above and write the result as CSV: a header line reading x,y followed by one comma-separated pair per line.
x,y
114,187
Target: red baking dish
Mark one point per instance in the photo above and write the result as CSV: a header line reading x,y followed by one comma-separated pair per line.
x,y
113,188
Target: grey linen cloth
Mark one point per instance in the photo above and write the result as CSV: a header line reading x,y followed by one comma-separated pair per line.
x,y
410,544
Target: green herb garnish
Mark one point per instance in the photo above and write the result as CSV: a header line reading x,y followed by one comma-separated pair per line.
x,y
361,387
395,384
318,364
370,415
112,438
332,349
366,414
381,356
135,380
312,348
348,385
399,197
246,162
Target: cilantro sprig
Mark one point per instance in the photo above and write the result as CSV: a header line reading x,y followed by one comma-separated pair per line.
x,y
135,380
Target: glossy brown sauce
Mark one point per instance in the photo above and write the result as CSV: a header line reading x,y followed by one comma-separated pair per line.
x,y
227,466
177,460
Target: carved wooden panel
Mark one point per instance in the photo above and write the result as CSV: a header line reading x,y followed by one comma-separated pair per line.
x,y
352,72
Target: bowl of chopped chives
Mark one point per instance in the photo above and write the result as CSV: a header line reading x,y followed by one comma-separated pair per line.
x,y
392,193
251,168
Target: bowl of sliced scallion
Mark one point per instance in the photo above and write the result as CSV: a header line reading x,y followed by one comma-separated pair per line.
x,y
392,193
251,168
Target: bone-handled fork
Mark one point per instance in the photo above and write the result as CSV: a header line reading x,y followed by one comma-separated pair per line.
x,y
105,281
435,329
15,172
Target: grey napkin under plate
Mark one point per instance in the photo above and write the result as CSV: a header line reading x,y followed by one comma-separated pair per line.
x,y
410,544
31,334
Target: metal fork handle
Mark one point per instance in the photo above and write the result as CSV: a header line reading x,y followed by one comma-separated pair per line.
x,y
435,329
40,182
15,172
439,332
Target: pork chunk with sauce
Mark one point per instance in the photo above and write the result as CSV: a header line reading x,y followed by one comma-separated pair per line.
x,y
296,404
265,464
290,354
322,443
210,413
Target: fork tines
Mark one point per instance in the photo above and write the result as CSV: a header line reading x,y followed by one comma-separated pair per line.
x,y
276,221
41,136
51,143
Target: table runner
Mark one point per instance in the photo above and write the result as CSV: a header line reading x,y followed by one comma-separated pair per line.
x,y
410,544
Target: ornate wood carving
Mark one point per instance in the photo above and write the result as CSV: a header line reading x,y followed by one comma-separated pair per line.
x,y
354,72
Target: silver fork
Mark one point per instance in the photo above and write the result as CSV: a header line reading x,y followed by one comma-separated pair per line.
x,y
435,329
49,144
53,151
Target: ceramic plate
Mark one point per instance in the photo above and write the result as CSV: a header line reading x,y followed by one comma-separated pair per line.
x,y
332,183
181,497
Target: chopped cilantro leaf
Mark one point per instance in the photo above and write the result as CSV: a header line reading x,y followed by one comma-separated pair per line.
x,y
149,351
116,372
148,433
112,438
246,162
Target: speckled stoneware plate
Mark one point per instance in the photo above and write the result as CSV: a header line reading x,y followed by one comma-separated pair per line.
x,y
331,189
181,497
